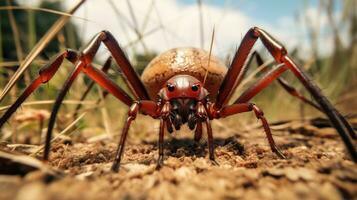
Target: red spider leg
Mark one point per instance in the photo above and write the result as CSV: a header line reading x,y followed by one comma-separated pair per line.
x,y
210,141
145,106
169,126
292,91
45,74
133,111
148,107
165,112
198,131
131,76
105,69
247,107
98,76
203,115
105,82
160,160
280,55
57,104
236,70
261,84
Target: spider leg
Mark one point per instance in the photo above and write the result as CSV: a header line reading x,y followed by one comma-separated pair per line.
x,y
83,64
280,55
203,116
57,105
169,126
45,74
118,54
100,77
210,141
248,107
148,107
133,111
105,69
160,160
96,75
198,131
164,117
144,106
292,91
237,69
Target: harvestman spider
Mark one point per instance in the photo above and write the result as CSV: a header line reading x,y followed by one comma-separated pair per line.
x,y
183,97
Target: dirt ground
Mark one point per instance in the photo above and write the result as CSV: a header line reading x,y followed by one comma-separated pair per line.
x,y
317,167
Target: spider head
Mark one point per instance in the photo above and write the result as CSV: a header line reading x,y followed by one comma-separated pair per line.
x,y
183,92
183,87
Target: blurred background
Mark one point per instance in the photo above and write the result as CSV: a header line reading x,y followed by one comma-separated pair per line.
x,y
321,36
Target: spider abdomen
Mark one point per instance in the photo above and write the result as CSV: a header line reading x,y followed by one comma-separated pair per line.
x,y
188,61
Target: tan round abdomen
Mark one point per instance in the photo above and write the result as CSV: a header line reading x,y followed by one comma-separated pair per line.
x,y
190,61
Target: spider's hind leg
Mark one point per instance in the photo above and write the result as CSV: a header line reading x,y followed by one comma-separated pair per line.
x,y
294,92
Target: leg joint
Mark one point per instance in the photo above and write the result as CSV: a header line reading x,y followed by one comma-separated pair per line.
x,y
257,111
277,50
72,55
48,71
165,111
255,32
105,34
133,110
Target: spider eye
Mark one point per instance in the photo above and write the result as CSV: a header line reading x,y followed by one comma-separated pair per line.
x,y
170,87
195,88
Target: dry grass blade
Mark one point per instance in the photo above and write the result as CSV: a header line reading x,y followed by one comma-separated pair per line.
x,y
105,115
209,56
147,15
121,16
161,24
202,39
13,64
40,148
136,26
27,8
38,48
15,31
251,77
46,102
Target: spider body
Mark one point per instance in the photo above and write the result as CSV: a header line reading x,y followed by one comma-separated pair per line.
x,y
183,77
186,61
186,85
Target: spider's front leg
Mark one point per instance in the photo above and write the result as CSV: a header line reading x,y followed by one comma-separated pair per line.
x,y
164,117
146,107
202,113
248,107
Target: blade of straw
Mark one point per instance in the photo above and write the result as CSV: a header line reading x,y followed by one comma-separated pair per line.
x,y
40,148
56,27
209,56
56,12
200,12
